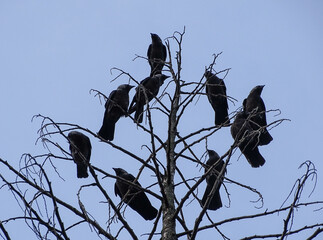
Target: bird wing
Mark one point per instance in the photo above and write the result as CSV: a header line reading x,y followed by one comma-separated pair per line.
x,y
225,99
164,53
262,115
207,90
89,149
116,189
135,99
149,53
216,91
109,102
239,127
144,85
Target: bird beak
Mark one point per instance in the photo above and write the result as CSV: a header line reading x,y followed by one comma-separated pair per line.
x,y
130,86
114,169
167,77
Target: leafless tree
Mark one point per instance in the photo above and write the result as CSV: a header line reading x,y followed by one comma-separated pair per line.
x,y
49,215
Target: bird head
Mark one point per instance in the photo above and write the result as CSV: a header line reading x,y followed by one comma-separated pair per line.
x,y
72,134
257,90
125,87
208,74
155,38
75,135
119,171
212,153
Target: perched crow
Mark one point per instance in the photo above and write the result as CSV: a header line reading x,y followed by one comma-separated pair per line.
x,y
247,139
80,147
116,106
255,106
215,201
132,196
217,94
149,87
156,54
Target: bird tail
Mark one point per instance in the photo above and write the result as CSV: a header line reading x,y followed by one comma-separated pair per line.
x,y
221,117
254,157
265,138
143,207
215,201
82,171
148,213
139,114
107,130
132,107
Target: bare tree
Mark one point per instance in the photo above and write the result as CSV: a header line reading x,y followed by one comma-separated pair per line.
x,y
50,215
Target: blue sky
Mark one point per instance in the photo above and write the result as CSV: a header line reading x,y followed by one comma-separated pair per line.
x,y
53,52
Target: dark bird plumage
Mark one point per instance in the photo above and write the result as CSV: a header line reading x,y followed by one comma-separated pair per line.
x,y
246,137
255,106
132,196
116,106
217,95
156,54
149,87
80,147
215,201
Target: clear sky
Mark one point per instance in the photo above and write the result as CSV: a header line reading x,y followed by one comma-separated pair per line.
x,y
53,52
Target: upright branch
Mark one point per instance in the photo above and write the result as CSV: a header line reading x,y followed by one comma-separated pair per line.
x,y
299,185
169,226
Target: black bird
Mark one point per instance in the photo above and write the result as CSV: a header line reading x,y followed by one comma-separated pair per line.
x,y
247,139
255,106
215,201
149,87
217,94
116,106
80,147
156,54
133,196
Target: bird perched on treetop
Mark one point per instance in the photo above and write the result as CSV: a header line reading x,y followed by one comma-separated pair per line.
x,y
217,94
247,139
80,147
116,106
215,201
149,87
133,196
156,54
255,106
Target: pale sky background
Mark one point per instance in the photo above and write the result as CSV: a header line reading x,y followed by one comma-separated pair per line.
x,y
53,52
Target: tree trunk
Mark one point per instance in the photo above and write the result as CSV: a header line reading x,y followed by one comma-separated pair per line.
x,y
169,224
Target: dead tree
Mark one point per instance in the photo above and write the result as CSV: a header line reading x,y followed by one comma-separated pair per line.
x,y
49,214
